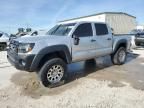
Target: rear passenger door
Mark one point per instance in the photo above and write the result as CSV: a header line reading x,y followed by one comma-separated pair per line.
x,y
81,51
103,44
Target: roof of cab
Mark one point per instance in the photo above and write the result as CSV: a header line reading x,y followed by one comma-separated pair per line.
x,y
81,22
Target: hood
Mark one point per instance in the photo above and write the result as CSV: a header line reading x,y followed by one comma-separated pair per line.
x,y
33,39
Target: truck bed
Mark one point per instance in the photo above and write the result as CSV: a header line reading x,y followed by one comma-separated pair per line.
x,y
121,37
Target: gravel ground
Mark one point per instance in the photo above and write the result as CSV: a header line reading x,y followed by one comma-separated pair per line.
x,y
92,85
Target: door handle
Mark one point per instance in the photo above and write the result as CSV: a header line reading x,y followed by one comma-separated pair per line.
x,y
108,38
93,40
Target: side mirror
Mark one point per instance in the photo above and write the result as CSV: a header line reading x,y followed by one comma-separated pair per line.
x,y
76,39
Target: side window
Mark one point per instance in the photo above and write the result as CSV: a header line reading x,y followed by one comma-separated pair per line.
x,y
101,29
84,30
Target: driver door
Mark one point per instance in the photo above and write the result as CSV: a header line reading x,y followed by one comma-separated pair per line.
x,y
81,51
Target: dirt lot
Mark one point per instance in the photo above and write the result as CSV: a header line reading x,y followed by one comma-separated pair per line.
x,y
92,84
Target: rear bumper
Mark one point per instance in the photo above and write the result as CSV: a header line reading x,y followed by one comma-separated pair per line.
x,y
20,62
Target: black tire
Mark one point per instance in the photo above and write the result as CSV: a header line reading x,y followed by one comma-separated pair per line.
x,y
47,66
116,56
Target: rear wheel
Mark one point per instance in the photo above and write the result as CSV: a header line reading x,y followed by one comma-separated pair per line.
x,y
53,72
119,57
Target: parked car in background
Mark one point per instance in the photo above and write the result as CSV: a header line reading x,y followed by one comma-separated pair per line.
x,y
29,32
4,39
139,37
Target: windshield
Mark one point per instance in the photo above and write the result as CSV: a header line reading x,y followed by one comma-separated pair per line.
x,y
61,30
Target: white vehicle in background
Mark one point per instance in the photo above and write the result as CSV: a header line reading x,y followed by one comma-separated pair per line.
x,y
4,39
29,33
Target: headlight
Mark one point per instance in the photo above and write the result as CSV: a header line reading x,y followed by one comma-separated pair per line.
x,y
25,47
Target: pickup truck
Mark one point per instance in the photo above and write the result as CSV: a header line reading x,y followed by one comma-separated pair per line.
x,y
66,43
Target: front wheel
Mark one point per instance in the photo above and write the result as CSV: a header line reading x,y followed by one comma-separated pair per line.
x,y
119,57
52,72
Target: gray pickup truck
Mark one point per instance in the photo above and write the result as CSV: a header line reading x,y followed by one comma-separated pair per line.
x,y
66,43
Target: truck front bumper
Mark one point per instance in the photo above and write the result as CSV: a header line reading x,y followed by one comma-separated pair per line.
x,y
20,62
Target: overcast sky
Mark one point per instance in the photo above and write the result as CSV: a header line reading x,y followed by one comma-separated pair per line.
x,y
41,14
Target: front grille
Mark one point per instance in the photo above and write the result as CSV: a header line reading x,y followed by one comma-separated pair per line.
x,y
13,45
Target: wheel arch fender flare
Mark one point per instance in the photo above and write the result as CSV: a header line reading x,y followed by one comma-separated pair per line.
x,y
119,43
48,50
